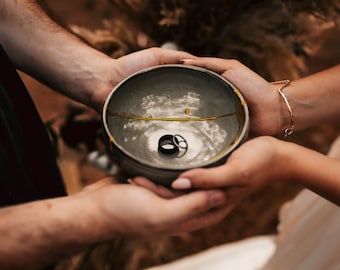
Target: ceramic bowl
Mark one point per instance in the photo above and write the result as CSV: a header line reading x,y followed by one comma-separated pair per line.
x,y
167,119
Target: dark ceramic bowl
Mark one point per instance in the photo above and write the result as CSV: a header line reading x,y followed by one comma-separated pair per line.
x,y
167,119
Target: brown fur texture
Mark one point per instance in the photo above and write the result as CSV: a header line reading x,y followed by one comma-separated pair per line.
x,y
258,33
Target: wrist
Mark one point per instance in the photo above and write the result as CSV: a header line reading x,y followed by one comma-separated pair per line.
x,y
101,83
287,160
86,219
278,154
72,223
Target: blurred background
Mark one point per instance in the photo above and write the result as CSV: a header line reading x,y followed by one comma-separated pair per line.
x,y
277,39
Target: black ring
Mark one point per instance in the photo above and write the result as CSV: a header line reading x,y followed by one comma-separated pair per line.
x,y
167,144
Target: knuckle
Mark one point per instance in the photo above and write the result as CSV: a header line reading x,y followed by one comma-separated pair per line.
x,y
235,62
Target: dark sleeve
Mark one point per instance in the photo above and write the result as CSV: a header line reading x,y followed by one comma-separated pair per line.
x,y
28,165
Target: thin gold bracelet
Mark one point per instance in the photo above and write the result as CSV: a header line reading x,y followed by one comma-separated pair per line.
x,y
290,130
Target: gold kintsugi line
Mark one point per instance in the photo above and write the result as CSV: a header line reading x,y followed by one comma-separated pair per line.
x,y
181,119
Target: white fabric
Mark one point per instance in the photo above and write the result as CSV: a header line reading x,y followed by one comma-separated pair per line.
x,y
309,235
248,254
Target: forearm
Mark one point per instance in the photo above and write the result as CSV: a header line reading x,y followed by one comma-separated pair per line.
x,y
51,54
314,99
313,170
41,232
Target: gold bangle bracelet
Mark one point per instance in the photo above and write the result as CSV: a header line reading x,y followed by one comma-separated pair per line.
x,y
290,130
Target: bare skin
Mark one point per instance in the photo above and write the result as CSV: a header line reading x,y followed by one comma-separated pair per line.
x,y
40,232
43,49
314,99
260,161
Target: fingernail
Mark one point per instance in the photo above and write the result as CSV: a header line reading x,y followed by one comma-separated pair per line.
x,y
130,181
183,61
181,183
216,198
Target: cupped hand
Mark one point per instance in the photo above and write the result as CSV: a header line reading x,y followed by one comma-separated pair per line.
x,y
253,165
134,211
131,63
119,69
160,190
260,95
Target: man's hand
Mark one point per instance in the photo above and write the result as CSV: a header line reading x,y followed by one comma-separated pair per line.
x,y
125,66
134,211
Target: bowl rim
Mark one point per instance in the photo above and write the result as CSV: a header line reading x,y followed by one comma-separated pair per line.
x,y
223,153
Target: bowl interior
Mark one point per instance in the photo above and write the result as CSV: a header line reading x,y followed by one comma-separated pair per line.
x,y
175,117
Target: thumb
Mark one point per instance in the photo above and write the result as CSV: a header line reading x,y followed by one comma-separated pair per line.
x,y
215,64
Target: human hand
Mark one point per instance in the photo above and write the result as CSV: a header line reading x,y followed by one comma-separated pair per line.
x,y
260,95
134,211
133,62
126,65
253,165
160,190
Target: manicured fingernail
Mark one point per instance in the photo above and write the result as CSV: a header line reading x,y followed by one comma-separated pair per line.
x,y
130,181
181,183
216,198
183,61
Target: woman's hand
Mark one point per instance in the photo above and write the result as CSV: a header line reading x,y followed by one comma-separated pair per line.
x,y
260,95
265,160
253,165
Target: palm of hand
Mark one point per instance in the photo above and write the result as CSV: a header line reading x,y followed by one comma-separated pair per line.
x,y
127,209
131,210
